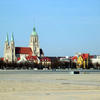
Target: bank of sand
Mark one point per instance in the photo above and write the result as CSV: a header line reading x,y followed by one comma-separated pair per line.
x,y
49,87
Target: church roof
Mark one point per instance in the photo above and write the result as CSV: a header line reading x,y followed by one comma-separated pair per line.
x,y
30,58
34,32
12,38
23,50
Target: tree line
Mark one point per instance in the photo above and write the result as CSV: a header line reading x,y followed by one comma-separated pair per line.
x,y
55,64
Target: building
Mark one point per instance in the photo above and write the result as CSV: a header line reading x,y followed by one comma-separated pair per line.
x,y
95,59
81,59
12,53
46,61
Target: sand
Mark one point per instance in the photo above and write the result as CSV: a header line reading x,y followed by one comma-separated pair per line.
x,y
49,87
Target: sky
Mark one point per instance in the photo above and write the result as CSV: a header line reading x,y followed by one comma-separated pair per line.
x,y
64,27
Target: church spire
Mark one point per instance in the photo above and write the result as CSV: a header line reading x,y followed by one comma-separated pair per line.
x,y
12,38
7,39
34,31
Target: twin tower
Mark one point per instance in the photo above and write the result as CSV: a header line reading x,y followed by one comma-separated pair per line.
x,y
11,53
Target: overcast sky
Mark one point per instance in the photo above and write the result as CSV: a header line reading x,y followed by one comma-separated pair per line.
x,y
64,26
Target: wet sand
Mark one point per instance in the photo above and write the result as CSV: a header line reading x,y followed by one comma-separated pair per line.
x,y
49,87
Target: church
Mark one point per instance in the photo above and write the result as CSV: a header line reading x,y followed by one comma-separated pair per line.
x,y
15,54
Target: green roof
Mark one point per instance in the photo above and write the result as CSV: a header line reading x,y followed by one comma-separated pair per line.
x,y
7,40
34,31
12,37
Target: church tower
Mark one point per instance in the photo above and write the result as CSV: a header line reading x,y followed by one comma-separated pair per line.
x,y
6,49
12,49
9,50
34,43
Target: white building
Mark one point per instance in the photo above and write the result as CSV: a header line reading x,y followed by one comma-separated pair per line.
x,y
96,59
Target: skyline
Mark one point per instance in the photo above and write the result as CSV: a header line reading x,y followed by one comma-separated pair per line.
x,y
64,27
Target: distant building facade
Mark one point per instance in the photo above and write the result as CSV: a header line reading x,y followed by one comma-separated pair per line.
x,y
95,59
12,53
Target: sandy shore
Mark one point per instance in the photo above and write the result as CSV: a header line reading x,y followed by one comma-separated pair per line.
x,y
49,87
